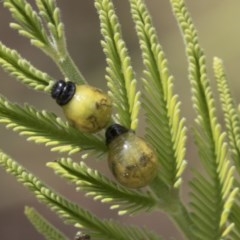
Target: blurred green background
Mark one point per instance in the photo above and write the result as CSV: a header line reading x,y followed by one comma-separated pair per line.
x,y
219,33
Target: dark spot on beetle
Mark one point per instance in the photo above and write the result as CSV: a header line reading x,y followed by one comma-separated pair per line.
x,y
144,159
97,105
130,168
93,120
102,103
131,171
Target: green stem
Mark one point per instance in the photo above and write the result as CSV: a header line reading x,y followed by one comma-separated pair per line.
x,y
170,203
70,70
181,218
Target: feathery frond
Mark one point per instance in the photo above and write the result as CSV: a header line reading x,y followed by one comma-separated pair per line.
x,y
71,212
166,129
51,14
204,205
29,23
231,117
211,195
232,123
43,226
120,76
234,215
45,31
101,188
46,128
214,201
21,69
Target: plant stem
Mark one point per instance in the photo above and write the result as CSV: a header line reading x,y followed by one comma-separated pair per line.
x,y
170,203
70,70
182,220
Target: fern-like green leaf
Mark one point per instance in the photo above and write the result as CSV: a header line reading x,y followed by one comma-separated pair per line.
x,y
231,117
71,212
21,69
166,129
234,215
210,196
30,24
43,226
46,33
51,14
101,188
120,75
204,205
46,128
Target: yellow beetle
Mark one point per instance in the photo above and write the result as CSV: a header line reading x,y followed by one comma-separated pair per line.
x,y
131,159
87,108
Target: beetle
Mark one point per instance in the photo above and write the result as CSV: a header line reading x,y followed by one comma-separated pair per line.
x,y
131,159
87,108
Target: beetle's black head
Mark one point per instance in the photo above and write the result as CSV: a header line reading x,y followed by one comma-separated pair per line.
x,y
114,131
63,92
